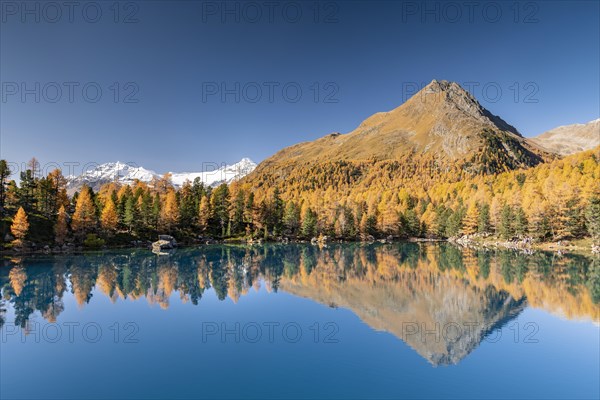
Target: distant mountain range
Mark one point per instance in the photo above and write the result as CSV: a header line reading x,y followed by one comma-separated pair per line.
x,y
123,173
441,125
570,139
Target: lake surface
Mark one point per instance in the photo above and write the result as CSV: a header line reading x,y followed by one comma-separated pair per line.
x,y
401,320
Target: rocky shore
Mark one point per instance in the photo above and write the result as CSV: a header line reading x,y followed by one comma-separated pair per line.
x,y
166,243
524,244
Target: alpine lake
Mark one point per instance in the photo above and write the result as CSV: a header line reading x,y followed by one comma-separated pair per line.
x,y
401,320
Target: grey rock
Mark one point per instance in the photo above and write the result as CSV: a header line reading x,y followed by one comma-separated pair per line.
x,y
161,245
168,238
164,242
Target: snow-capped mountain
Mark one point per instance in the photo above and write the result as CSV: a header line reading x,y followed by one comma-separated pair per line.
x,y
124,173
215,174
127,173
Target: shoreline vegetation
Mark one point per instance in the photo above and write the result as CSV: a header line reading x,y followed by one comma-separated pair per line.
x,y
554,206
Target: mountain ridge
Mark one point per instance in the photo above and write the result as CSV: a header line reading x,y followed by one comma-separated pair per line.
x,y
569,139
442,122
125,173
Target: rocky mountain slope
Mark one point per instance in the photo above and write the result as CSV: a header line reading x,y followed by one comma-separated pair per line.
x,y
442,122
211,174
570,139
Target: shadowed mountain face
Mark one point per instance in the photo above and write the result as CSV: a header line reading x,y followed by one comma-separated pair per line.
x,y
442,122
405,289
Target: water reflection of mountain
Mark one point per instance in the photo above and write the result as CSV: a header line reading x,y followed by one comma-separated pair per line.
x,y
443,318
388,286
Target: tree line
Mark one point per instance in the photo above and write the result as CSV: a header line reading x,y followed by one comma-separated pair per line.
x,y
343,200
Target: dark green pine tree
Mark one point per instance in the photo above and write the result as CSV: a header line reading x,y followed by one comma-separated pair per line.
x,y
371,225
131,215
237,226
309,224
188,206
146,210
127,194
156,207
505,229
483,221
454,222
575,219
27,191
220,208
592,216
5,173
198,191
291,219
277,210
411,226
440,221
350,230
520,222
46,195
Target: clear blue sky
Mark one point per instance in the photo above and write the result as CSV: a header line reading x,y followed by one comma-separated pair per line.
x,y
362,54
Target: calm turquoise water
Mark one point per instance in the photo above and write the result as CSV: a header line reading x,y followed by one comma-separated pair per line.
x,y
346,321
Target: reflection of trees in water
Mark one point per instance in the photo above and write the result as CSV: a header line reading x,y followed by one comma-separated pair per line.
x,y
36,288
593,280
2,313
568,284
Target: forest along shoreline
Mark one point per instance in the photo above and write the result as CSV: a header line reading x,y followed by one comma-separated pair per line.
x,y
553,206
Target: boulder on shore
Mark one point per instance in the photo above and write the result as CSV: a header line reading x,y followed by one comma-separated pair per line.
x,y
164,242
168,238
367,238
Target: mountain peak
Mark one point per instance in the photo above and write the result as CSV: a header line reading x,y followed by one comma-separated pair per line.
x,y
244,163
451,100
447,87
449,92
441,85
442,121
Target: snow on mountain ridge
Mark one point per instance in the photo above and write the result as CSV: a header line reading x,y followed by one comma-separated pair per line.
x,y
127,173
214,174
119,171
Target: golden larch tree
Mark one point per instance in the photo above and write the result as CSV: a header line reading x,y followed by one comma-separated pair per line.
x,y
203,213
170,211
109,218
84,218
471,220
20,226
